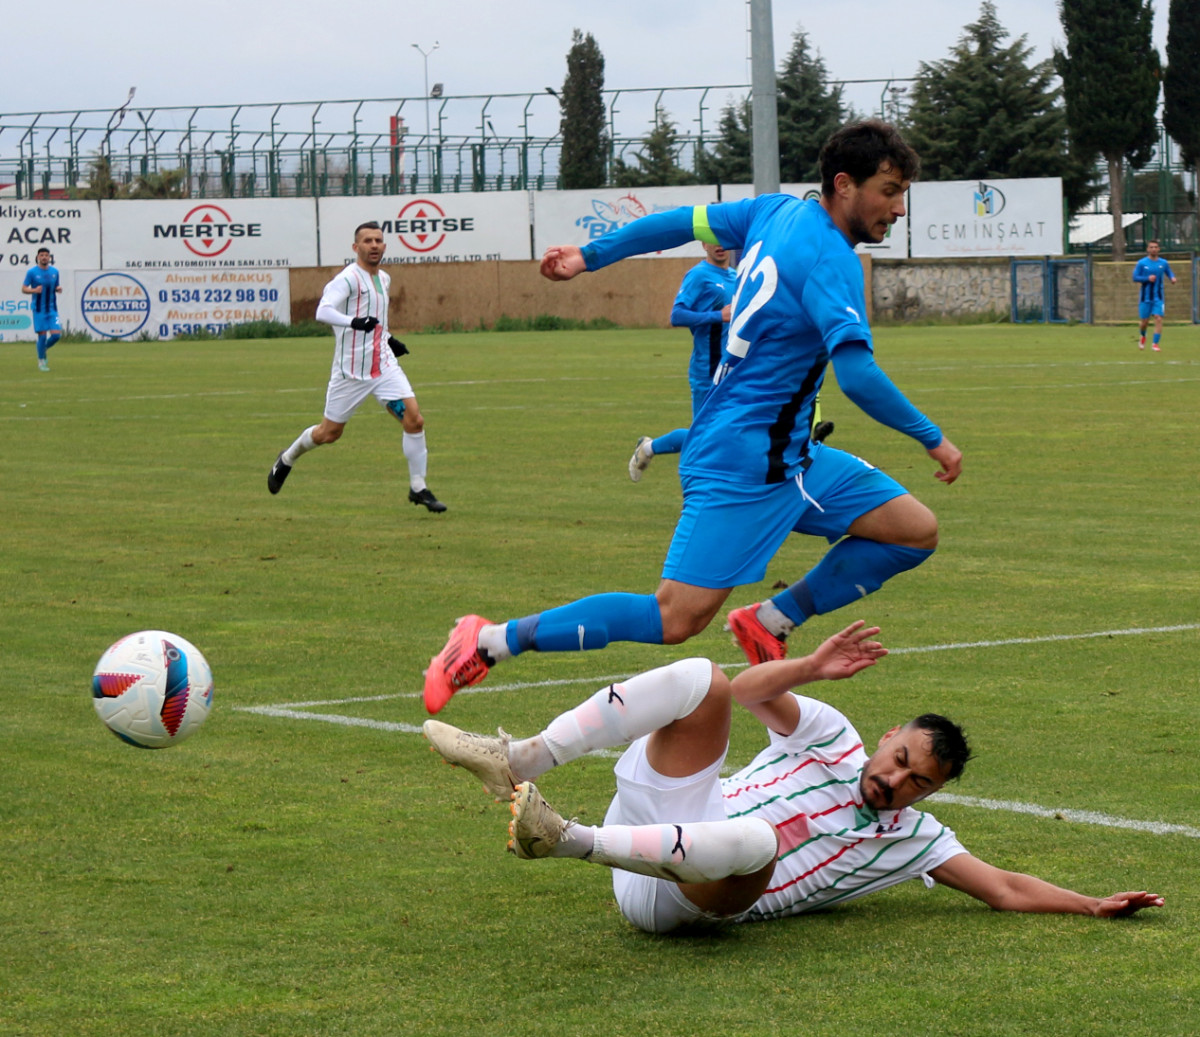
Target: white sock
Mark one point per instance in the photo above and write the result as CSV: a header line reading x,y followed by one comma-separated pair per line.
x,y
696,851
621,713
302,446
775,620
529,758
493,641
577,841
416,455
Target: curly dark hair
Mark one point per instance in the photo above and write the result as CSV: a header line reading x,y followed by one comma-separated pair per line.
x,y
947,742
860,148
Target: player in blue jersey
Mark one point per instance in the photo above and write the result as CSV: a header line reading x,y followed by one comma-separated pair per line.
x,y
42,283
751,473
1151,274
703,305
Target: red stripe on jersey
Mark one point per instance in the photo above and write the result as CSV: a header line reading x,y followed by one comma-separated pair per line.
x,y
813,870
378,344
795,770
358,294
792,832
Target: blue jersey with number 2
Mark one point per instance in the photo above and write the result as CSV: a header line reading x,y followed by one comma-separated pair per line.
x,y
799,297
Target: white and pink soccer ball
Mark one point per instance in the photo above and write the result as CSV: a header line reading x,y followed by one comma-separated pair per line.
x,y
152,689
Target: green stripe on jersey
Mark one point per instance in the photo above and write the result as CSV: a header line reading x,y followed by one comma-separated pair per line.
x,y
700,228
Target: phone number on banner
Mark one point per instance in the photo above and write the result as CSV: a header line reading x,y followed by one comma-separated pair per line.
x,y
153,304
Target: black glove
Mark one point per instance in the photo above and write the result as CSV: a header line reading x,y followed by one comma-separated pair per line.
x,y
364,323
399,349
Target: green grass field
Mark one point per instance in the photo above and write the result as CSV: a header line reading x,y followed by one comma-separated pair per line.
x,y
284,874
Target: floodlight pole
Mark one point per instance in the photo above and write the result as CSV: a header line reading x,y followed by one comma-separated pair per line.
x,y
115,120
764,116
425,57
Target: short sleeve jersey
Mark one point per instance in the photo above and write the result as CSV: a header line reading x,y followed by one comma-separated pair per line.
x,y
799,296
357,293
45,302
1152,291
707,287
832,847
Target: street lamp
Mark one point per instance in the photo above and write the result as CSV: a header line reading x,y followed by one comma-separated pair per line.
x,y
114,120
425,57
117,117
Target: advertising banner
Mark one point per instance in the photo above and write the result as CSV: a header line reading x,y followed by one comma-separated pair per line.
x,y
438,228
893,246
1021,217
220,234
69,229
579,217
161,304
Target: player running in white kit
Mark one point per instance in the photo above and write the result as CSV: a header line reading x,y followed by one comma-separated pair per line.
x,y
355,304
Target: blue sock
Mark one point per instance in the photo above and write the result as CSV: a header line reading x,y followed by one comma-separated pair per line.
x,y
670,442
41,346
52,339
851,569
588,623
1156,338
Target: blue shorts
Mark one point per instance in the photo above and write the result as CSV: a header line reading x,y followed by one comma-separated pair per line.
x,y
1146,310
46,322
700,391
729,532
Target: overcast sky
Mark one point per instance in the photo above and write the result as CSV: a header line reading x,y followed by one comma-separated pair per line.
x,y
242,51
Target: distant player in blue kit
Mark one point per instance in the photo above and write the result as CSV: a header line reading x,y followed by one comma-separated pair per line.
x,y
1151,274
750,471
703,305
42,283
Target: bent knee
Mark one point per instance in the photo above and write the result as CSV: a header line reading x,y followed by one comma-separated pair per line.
x,y
679,628
926,537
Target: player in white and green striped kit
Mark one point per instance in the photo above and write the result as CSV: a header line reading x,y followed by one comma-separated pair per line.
x,y
812,821
355,305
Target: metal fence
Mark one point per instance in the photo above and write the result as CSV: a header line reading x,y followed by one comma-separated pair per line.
x,y
479,142
382,146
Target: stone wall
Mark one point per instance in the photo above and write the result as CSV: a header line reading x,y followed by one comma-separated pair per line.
x,y
909,289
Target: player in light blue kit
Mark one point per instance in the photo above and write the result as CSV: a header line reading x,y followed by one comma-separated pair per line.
x,y
751,473
1151,274
703,305
42,283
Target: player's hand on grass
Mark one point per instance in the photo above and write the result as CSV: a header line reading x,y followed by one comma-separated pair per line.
x,y
562,262
844,654
397,347
950,458
365,323
1121,905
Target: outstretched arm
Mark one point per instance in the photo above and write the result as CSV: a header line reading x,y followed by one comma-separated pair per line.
x,y
1014,891
650,233
762,688
869,389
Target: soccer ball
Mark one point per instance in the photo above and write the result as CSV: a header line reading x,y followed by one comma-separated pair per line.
x,y
152,689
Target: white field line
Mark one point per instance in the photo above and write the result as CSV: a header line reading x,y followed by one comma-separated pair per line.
x,y
298,711
460,383
1083,817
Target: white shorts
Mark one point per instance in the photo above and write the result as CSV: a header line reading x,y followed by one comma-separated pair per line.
x,y
344,395
645,797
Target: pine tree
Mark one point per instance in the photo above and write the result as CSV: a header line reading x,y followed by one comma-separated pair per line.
x,y
585,150
1181,84
1110,74
658,161
985,112
809,108
731,161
